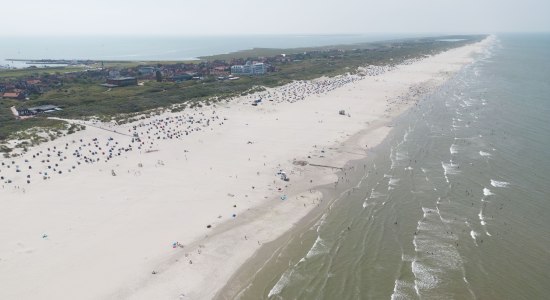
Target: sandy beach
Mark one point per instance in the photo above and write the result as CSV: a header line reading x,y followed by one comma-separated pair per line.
x,y
171,205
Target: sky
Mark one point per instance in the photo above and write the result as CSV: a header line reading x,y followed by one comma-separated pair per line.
x,y
240,17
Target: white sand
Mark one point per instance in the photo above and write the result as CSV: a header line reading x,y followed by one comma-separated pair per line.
x,y
106,234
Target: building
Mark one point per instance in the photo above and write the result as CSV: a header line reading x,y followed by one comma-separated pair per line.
x,y
249,69
31,111
14,95
122,81
259,68
181,77
147,71
33,82
241,69
219,71
114,73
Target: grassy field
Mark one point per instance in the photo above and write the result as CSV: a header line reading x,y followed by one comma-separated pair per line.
x,y
85,98
18,73
27,72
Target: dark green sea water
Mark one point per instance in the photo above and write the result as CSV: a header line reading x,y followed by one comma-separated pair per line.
x,y
455,204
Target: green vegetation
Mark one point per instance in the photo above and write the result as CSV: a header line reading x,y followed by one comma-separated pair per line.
x,y
18,73
133,64
84,97
81,100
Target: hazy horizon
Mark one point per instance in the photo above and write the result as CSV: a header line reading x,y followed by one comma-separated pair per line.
x,y
248,17
320,34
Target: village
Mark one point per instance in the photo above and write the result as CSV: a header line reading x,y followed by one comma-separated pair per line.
x,y
32,86
119,74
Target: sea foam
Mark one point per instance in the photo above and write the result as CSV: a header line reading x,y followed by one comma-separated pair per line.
x,y
449,169
497,183
278,287
473,234
485,154
374,195
487,192
453,149
317,248
394,181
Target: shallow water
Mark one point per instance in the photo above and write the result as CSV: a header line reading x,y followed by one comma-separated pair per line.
x,y
453,205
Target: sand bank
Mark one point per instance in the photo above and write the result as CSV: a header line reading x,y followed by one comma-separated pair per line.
x,y
172,205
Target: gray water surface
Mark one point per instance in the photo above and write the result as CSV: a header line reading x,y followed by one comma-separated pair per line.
x,y
454,204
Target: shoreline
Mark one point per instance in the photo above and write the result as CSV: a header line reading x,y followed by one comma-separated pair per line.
x,y
241,278
218,252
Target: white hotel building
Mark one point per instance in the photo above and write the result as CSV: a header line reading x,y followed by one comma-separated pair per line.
x,y
249,69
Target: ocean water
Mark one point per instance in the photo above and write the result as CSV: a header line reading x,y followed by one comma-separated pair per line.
x,y
162,48
455,204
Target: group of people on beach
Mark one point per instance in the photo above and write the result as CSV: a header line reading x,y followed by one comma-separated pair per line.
x,y
66,157
144,134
